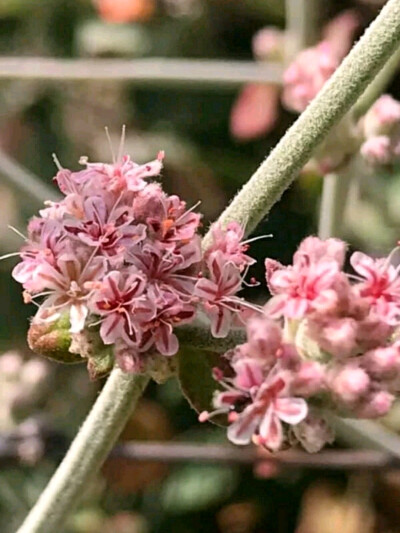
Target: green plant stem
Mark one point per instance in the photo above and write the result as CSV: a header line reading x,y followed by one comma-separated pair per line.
x,y
378,85
87,452
278,171
199,336
333,203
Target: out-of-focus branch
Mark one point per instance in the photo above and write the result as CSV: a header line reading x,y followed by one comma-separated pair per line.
x,y
301,26
155,71
34,190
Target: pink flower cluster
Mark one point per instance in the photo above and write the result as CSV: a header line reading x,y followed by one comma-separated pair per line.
x,y
325,339
381,129
119,253
306,76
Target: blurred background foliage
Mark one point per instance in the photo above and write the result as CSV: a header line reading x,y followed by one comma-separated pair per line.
x,y
203,162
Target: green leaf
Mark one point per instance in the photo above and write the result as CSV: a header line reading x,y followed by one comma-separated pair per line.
x,y
196,487
195,377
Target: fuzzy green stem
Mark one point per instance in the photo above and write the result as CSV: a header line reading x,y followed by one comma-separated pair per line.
x,y
87,452
377,86
199,336
278,171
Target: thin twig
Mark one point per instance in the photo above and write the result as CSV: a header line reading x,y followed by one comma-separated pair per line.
x,y
176,452
154,71
378,85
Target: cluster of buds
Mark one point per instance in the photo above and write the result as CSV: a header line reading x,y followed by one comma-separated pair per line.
x,y
326,339
120,257
381,130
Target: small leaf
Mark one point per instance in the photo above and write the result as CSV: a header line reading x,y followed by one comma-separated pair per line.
x,y
195,377
102,364
195,487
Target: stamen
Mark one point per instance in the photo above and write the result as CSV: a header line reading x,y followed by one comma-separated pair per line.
x,y
7,256
56,161
254,239
121,144
19,233
390,256
110,145
188,211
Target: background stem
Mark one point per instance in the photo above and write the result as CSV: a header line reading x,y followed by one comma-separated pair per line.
x,y
278,171
87,452
333,203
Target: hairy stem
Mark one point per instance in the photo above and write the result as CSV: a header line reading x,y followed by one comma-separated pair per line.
x,y
377,86
199,336
87,452
277,172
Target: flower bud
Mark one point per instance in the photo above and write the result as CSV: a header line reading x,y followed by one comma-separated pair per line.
x,y
350,383
383,118
268,44
376,405
309,379
52,340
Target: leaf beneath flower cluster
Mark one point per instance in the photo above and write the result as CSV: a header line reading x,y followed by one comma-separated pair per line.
x,y
196,380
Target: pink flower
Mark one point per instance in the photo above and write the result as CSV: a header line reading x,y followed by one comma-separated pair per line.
x,y
299,289
255,111
264,339
375,405
349,383
119,176
110,231
315,250
383,118
377,150
218,293
171,312
69,286
45,246
380,286
306,76
309,378
167,218
383,361
229,241
174,269
268,44
335,335
264,416
119,301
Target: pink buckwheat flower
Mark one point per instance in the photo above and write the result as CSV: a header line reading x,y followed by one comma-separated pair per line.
x,y
218,294
307,75
115,251
229,241
119,176
349,383
303,287
382,118
379,285
119,301
258,405
69,287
